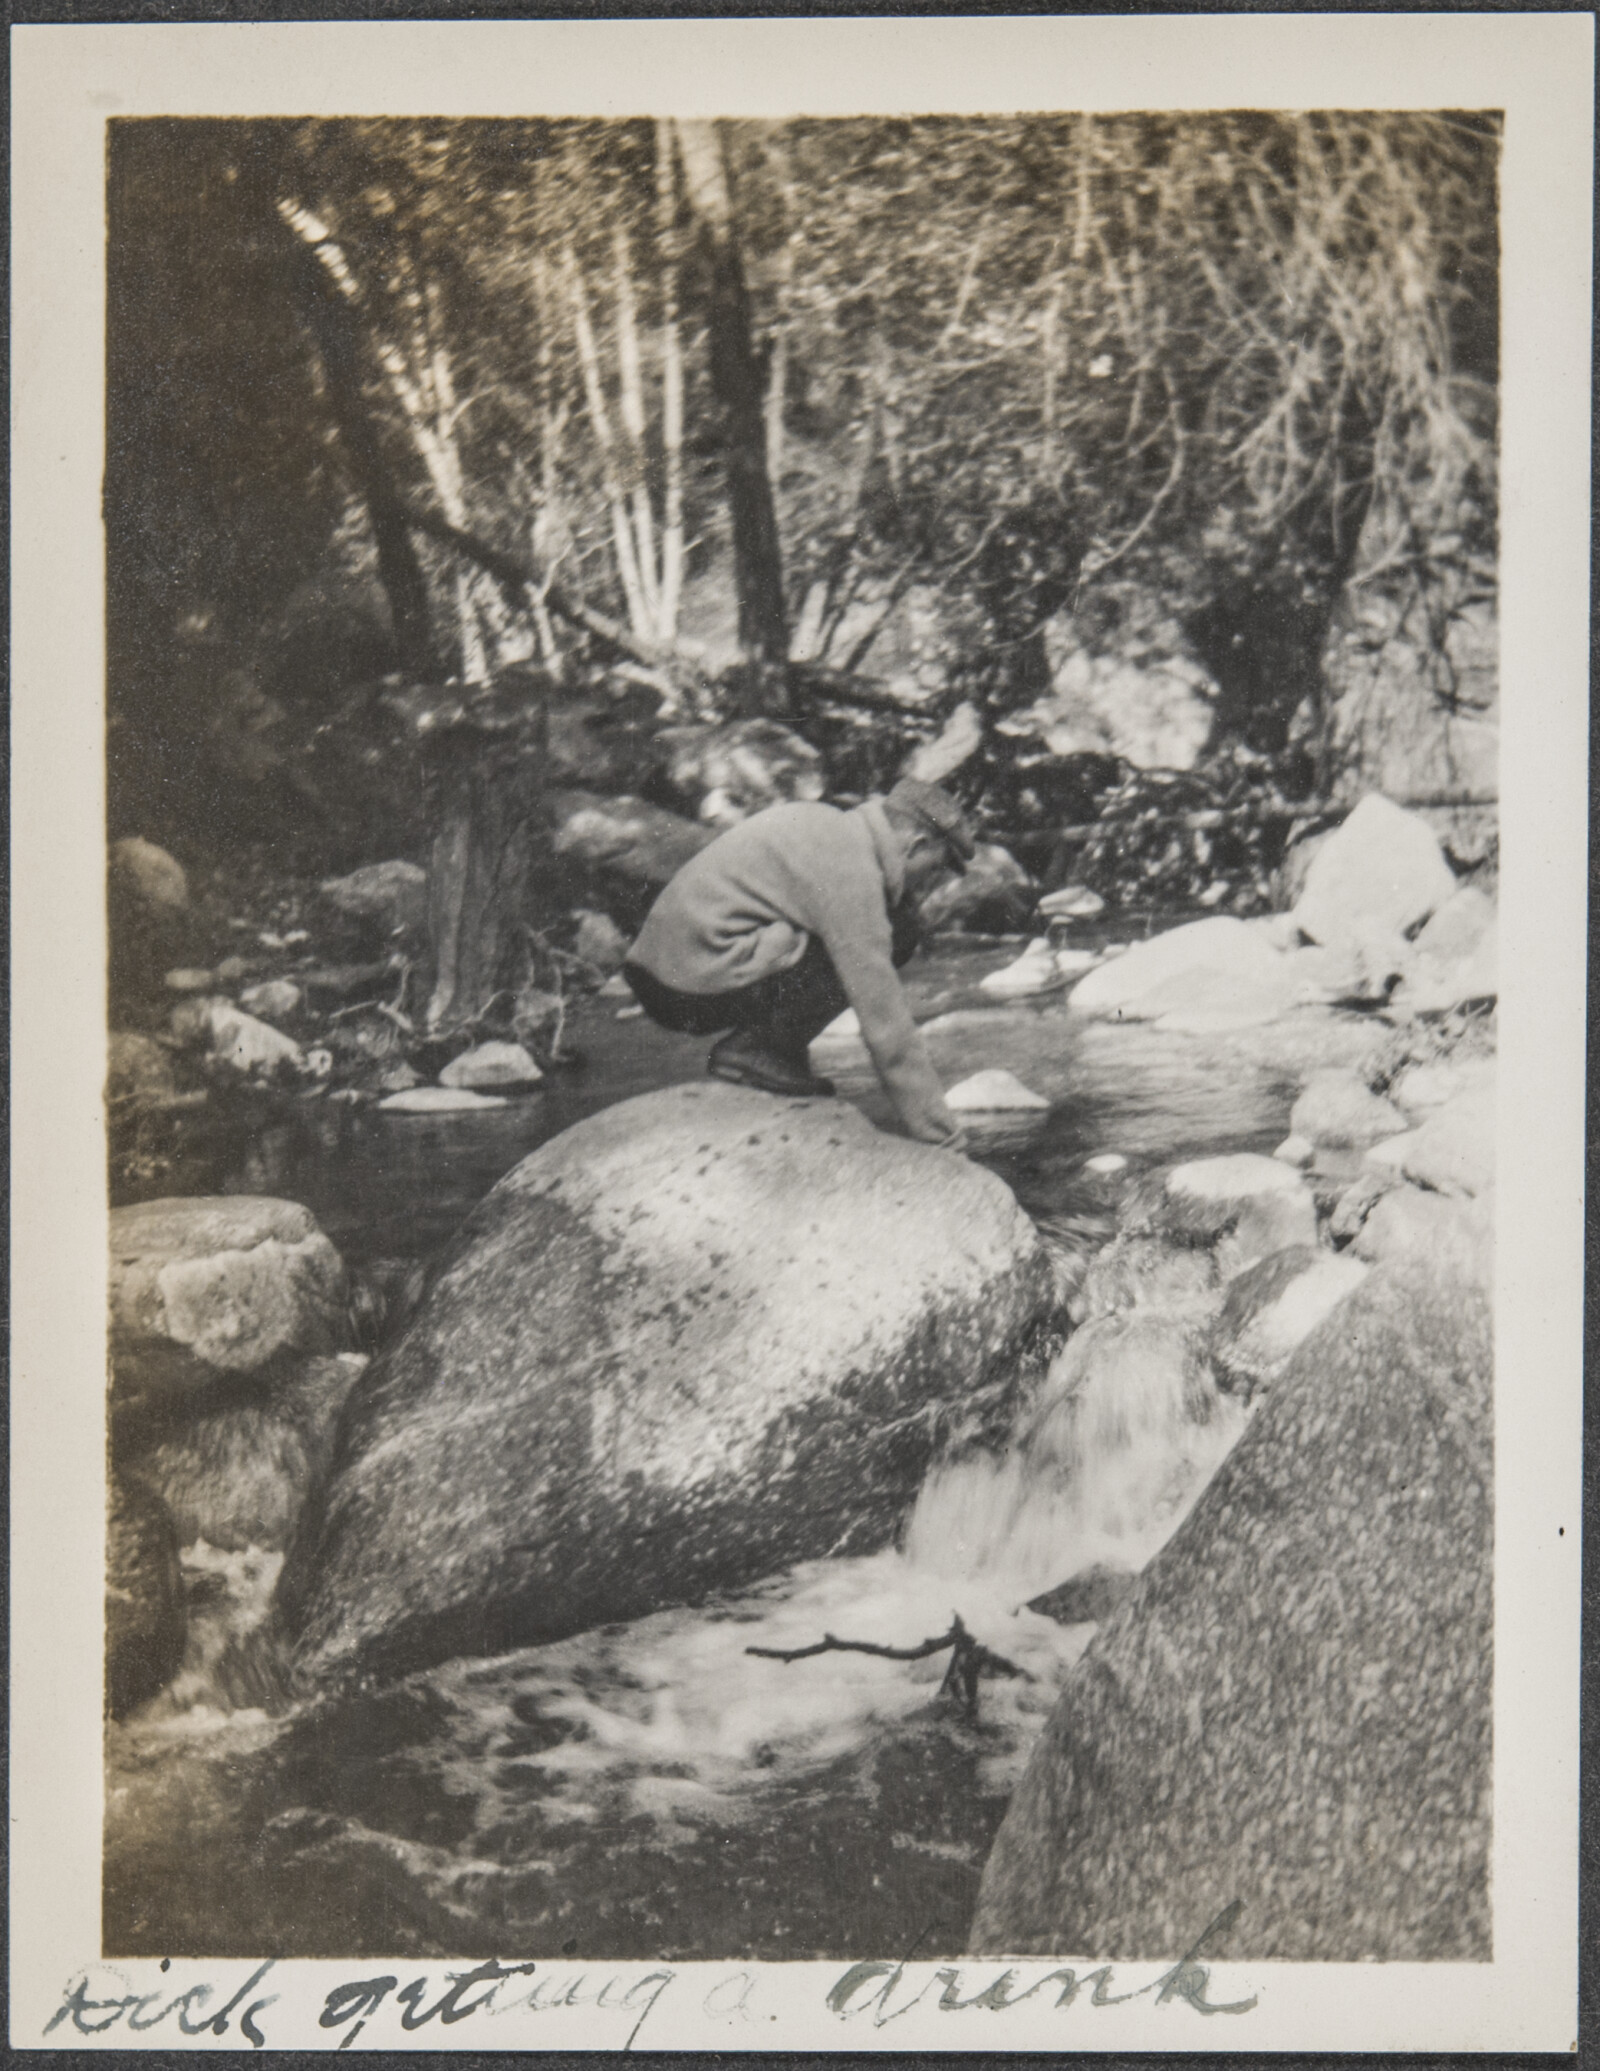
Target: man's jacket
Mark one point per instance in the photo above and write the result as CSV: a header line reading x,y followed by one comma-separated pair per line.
x,y
747,906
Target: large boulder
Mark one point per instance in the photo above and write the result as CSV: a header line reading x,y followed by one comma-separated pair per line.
x,y
390,899
1453,1150
1289,879
1456,957
1439,1234
145,1620
1422,1089
1292,1709
1381,874
1339,1110
209,1290
149,875
150,922
1414,696
236,1045
1272,1306
701,1335
1205,969
1360,969
1245,1205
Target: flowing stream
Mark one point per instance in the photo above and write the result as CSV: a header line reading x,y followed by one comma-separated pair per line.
x,y
653,1789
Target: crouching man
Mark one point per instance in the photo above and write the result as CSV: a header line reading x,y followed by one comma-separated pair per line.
x,y
788,918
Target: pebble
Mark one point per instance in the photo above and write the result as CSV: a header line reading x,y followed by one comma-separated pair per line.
x,y
188,981
629,1013
1106,1161
490,1065
988,1092
1036,970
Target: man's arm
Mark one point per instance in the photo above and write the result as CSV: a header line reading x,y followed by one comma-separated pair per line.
x,y
854,925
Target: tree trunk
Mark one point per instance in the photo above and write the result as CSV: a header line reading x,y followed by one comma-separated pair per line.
x,y
639,616
671,389
399,570
739,382
486,795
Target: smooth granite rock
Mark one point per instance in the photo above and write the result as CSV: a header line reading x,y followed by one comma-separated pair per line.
x,y
1293,1708
697,1337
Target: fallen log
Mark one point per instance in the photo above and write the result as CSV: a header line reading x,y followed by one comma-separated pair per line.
x,y
518,575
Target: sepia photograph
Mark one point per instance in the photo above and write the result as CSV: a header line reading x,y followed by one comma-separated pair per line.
x,y
802,874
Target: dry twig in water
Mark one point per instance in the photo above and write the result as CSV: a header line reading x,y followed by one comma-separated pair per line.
x,y
969,1659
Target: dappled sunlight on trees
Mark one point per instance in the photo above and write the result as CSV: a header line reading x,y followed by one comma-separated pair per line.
x,y
860,423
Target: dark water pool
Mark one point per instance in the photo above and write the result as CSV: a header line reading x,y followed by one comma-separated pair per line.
x,y
396,1185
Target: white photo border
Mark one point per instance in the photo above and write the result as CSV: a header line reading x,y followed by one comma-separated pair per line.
x,y
67,81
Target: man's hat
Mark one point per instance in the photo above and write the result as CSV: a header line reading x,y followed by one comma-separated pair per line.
x,y
939,813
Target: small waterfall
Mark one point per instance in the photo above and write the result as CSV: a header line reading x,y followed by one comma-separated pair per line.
x,y
1124,1433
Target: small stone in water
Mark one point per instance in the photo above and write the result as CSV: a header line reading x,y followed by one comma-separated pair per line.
x,y
1296,1150
616,987
1072,902
438,1100
988,1092
491,1064
188,981
1107,1161
1036,970
628,1013
1235,1177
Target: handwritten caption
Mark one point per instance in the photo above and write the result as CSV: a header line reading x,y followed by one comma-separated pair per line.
x,y
101,2000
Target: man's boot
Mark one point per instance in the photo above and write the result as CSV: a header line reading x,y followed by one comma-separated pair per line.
x,y
743,1059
